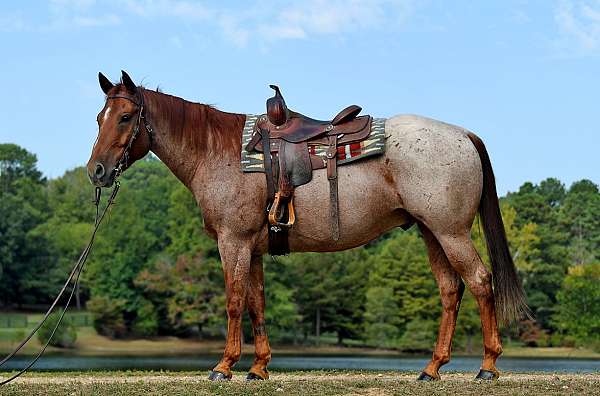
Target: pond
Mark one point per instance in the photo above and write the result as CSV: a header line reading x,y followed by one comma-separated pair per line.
x,y
300,362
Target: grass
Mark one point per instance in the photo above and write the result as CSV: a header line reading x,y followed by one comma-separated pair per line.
x,y
298,383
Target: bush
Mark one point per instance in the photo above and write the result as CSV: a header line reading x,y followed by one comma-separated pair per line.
x,y
108,316
64,337
146,322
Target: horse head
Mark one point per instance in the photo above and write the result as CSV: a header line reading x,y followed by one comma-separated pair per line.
x,y
120,142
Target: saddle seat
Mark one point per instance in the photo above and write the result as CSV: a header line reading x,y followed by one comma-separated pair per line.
x,y
284,137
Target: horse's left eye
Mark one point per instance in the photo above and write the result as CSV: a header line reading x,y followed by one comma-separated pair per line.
x,y
125,117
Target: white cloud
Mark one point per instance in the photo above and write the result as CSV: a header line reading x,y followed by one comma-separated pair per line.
x,y
579,26
105,20
269,20
311,18
12,23
256,21
168,8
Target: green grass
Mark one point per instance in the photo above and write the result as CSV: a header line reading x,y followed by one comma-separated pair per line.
x,y
297,383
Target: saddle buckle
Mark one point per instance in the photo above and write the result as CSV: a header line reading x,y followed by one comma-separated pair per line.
x,y
276,213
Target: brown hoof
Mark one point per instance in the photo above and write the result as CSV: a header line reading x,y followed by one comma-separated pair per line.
x,y
487,375
426,377
218,376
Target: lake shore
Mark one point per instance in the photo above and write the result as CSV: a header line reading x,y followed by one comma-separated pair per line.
x,y
298,383
91,344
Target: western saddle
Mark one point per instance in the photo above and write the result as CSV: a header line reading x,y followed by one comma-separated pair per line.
x,y
290,139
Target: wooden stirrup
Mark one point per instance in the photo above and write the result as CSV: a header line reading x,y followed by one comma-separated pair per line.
x,y
274,212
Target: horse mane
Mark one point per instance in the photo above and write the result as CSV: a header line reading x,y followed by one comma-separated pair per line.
x,y
200,127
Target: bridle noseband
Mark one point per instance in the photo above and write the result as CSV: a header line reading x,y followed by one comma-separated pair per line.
x,y
136,129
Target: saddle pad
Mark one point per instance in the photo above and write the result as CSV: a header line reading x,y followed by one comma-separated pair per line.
x,y
374,144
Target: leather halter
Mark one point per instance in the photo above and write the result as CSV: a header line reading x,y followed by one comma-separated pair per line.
x,y
136,129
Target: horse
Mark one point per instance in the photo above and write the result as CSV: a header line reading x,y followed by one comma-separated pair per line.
x,y
432,173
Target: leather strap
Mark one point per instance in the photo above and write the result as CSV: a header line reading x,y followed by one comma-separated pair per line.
x,y
268,166
333,187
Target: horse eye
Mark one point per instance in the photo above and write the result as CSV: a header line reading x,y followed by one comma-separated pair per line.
x,y
125,117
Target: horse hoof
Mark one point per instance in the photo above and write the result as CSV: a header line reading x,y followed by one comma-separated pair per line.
x,y
218,376
426,377
487,375
254,377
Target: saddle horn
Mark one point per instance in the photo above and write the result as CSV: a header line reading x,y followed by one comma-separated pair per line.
x,y
277,111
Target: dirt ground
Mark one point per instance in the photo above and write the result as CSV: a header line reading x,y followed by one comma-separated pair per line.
x,y
299,383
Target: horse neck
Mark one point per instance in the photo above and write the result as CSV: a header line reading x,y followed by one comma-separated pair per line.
x,y
189,137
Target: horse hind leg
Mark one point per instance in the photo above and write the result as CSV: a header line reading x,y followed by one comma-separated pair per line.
x,y
465,259
451,291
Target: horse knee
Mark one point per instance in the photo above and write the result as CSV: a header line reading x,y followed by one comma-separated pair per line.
x,y
480,283
235,307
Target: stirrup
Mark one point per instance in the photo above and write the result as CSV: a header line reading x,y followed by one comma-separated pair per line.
x,y
275,208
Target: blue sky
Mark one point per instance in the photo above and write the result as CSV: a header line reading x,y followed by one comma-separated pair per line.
x,y
524,75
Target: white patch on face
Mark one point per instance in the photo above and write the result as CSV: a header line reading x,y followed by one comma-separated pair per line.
x,y
106,113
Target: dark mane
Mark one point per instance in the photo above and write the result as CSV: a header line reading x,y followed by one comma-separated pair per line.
x,y
198,126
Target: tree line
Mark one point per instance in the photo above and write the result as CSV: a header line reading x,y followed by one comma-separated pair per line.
x,y
153,270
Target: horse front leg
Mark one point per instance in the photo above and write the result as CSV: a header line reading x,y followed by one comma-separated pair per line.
x,y
235,258
255,300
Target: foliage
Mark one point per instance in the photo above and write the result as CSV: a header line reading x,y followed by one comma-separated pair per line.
x,y
155,271
23,207
578,313
109,317
65,335
185,292
400,289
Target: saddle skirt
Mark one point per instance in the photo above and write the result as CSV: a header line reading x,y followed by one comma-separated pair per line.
x,y
371,144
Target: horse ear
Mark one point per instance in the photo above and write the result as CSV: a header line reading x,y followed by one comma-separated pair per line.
x,y
128,82
105,83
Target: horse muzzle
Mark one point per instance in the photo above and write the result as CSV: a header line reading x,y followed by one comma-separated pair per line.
x,y
100,175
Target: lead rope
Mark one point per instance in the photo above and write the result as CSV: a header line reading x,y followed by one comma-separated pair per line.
x,y
76,272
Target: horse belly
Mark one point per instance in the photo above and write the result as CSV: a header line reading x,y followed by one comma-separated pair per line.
x,y
369,205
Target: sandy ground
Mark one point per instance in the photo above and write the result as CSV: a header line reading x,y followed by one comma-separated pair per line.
x,y
301,383
124,378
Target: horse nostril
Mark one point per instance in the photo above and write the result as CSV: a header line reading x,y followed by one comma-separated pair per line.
x,y
99,170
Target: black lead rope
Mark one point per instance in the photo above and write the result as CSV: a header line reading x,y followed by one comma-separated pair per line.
x,y
75,274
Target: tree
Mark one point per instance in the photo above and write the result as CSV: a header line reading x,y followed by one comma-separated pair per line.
x,y
329,291
23,254
400,280
187,293
578,311
580,218
130,240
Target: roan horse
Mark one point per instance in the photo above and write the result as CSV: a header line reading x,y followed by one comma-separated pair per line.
x,y
435,174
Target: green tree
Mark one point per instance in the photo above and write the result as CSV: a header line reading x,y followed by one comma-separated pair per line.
x,y
578,313
329,291
401,268
131,239
188,293
23,254
580,218
381,322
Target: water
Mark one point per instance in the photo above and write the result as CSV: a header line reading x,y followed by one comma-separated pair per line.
x,y
300,362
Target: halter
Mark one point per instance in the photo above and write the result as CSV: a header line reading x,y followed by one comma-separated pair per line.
x,y
136,130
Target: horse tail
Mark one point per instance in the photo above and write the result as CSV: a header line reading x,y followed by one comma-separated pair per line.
x,y
511,303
